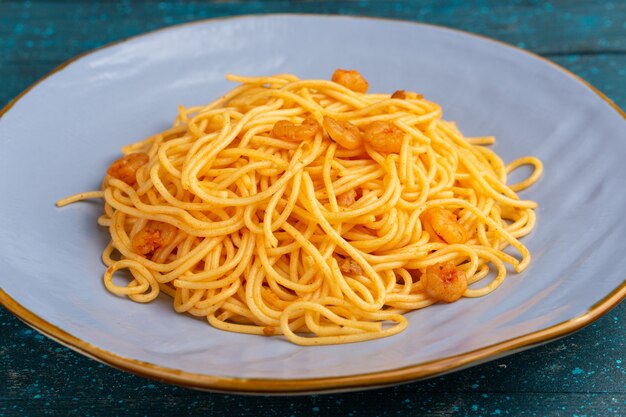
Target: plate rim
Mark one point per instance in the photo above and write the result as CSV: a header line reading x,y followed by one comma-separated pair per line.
x,y
318,384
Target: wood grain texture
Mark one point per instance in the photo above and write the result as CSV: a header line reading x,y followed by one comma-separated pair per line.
x,y
581,375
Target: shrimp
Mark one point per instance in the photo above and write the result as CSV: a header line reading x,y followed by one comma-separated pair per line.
x,y
347,199
442,225
269,330
286,130
384,136
401,94
349,265
153,236
344,133
350,79
125,168
444,281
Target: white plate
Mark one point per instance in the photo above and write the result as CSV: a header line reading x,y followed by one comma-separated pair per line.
x,y
59,138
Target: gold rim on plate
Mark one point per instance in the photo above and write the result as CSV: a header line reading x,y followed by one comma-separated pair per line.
x,y
327,384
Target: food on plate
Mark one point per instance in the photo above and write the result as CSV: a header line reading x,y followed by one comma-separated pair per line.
x,y
312,209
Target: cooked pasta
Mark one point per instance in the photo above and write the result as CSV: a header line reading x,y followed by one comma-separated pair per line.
x,y
311,209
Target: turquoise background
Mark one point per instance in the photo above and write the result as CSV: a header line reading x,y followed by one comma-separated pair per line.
x,y
581,375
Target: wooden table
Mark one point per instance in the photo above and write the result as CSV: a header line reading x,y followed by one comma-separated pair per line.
x,y
581,375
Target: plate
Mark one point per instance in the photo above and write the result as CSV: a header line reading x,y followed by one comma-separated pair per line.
x,y
59,137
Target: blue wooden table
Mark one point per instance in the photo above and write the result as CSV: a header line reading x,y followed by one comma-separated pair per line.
x,y
581,375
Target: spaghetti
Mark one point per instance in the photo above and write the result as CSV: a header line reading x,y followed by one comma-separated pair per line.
x,y
311,209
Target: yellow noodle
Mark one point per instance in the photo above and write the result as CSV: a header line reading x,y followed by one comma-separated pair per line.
x,y
307,239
